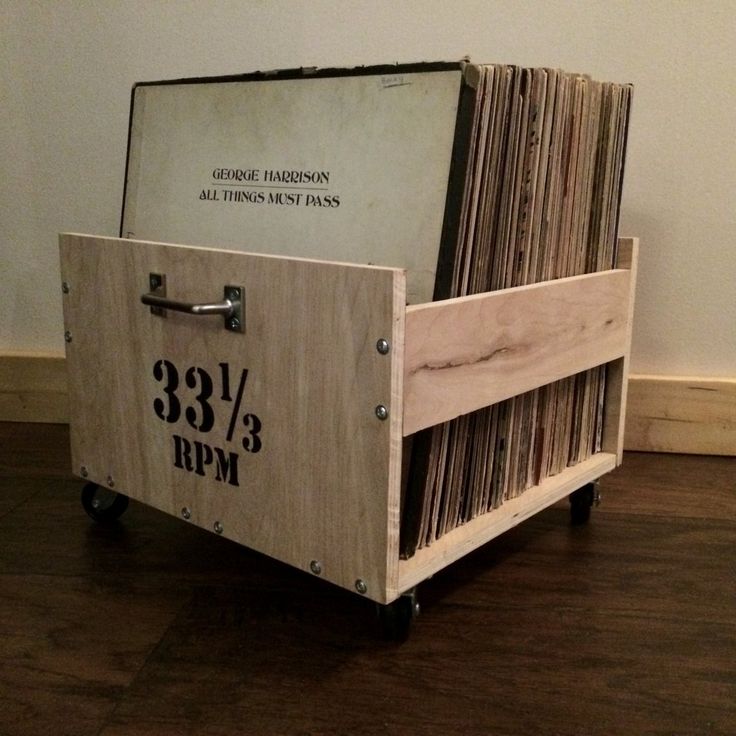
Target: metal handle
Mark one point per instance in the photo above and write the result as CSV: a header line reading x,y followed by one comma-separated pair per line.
x,y
231,308
226,307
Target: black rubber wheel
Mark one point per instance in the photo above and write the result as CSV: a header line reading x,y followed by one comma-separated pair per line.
x,y
581,501
102,505
395,618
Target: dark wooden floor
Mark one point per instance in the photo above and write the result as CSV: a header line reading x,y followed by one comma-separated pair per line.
x,y
625,626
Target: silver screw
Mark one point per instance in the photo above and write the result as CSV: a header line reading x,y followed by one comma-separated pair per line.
x,y
83,471
218,528
68,336
417,608
382,346
65,287
360,586
186,513
315,567
110,481
381,412
234,323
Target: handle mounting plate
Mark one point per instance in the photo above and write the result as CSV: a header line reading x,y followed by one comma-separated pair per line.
x,y
231,308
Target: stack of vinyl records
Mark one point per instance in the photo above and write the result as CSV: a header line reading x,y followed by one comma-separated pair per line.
x,y
472,177
540,202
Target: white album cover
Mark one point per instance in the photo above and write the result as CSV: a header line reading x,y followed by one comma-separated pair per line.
x,y
342,168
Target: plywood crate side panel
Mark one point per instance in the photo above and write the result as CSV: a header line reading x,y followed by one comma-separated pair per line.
x,y
617,378
396,408
292,400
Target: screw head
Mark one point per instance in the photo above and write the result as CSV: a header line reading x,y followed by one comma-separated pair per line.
x,y
65,287
234,323
83,471
110,481
360,586
382,346
218,528
68,336
315,567
381,412
186,513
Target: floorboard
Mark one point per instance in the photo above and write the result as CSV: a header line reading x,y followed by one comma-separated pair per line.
x,y
153,627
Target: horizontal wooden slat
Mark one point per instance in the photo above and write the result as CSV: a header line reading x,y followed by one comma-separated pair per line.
x,y
457,543
681,414
33,388
466,353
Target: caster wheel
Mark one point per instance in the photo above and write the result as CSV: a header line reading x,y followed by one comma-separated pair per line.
x,y
102,505
581,501
395,618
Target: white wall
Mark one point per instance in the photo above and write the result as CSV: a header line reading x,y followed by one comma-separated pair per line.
x,y
66,69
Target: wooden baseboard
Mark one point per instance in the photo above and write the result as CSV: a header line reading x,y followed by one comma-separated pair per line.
x,y
33,388
676,414
664,413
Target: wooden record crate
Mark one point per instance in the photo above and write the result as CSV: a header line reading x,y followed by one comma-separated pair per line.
x,y
284,432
